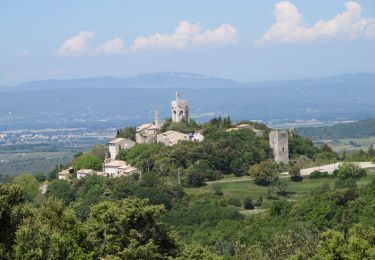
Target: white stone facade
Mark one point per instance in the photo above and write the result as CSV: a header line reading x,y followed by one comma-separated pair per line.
x,y
117,144
84,172
180,109
171,138
117,168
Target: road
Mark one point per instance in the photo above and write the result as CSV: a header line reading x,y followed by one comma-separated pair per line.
x,y
304,172
331,167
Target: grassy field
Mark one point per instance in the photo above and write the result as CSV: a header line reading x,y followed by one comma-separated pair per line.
x,y
244,187
353,144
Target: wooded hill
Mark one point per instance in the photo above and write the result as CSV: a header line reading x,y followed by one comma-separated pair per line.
x,y
363,128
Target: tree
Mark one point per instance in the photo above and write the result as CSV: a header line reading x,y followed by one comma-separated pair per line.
x,y
128,132
29,184
132,231
295,174
51,232
371,152
358,244
54,173
264,173
99,151
197,252
11,214
217,189
248,203
60,189
350,170
194,177
282,186
87,161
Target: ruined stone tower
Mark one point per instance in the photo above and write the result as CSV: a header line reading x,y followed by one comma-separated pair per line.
x,y
180,109
279,145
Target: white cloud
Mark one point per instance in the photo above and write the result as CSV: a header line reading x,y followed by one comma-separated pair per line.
x,y
289,27
114,46
185,34
76,45
224,34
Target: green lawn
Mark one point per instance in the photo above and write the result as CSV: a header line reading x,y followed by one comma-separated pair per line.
x,y
360,143
241,189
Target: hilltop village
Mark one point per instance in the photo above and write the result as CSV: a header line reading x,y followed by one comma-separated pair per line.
x,y
153,133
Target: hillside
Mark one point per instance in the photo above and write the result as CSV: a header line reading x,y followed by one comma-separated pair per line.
x,y
360,129
112,102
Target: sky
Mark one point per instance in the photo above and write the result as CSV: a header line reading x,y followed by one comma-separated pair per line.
x,y
244,40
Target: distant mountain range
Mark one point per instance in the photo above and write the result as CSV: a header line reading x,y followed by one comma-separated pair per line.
x,y
114,102
179,80
362,128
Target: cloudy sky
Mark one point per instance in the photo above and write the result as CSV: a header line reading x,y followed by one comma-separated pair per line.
x,y
245,40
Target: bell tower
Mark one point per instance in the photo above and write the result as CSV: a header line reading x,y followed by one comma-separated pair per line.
x,y
179,109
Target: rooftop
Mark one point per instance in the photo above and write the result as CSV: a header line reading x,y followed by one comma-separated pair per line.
x,y
85,171
115,163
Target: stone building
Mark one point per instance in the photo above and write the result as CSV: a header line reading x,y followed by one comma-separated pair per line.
x,y
146,133
257,132
117,144
117,168
279,145
84,172
171,138
180,109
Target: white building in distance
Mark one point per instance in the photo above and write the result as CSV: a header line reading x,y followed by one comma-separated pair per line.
x,y
197,137
180,109
171,138
84,172
117,168
146,133
64,174
257,132
279,145
117,144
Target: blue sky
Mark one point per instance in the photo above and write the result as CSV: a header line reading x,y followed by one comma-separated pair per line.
x,y
242,40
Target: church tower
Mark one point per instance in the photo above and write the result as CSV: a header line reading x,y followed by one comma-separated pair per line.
x,y
180,109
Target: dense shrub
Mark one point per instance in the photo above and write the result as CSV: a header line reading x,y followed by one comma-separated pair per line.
x,y
295,174
234,202
350,170
87,161
258,201
318,174
248,203
217,189
264,173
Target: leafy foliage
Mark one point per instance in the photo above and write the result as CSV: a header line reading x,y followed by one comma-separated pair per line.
x,y
264,173
128,132
87,161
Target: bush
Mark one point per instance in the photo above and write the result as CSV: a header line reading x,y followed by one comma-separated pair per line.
x,y
318,174
217,190
264,173
349,183
223,203
258,202
87,161
295,174
248,203
213,175
195,178
350,170
279,207
296,178
234,202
